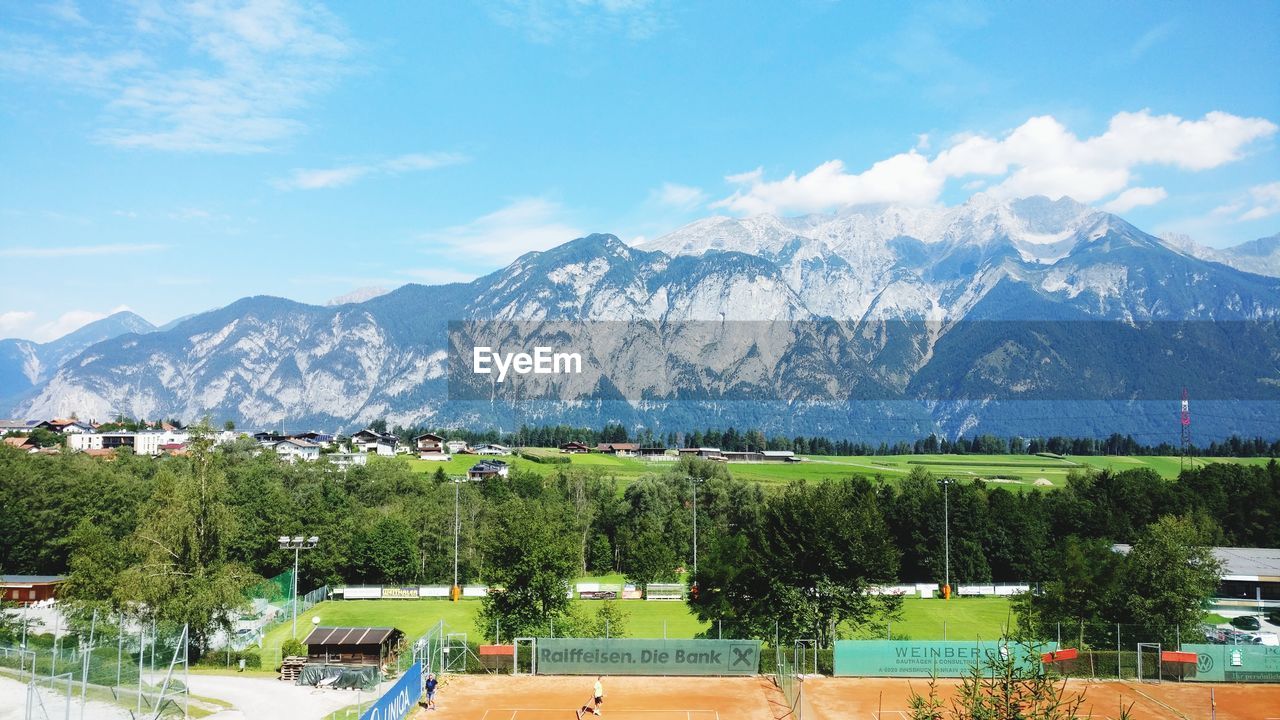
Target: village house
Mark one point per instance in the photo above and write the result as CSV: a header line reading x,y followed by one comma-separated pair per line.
x,y
295,449
574,448
377,443
456,446
619,449
430,447
24,444
487,469
491,449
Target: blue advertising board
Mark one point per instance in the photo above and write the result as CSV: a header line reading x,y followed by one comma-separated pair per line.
x,y
400,699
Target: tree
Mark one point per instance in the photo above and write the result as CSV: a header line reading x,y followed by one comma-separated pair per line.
x,y
648,558
387,552
182,573
1010,684
1170,574
229,425
806,565
529,561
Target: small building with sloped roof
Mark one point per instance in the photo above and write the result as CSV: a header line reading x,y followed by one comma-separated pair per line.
x,y
376,646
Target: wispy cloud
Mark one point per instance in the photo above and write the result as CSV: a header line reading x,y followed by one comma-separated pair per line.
x,y
1262,201
1039,157
217,76
681,197
322,178
34,251
1151,38
70,321
66,11
522,226
13,320
546,21
1136,197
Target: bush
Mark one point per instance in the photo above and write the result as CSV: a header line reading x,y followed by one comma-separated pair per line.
x,y
221,658
544,458
293,647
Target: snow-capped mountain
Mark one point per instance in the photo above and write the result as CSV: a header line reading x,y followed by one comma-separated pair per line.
x,y
931,317
1261,256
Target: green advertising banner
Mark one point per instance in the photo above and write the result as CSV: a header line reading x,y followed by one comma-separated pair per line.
x,y
1235,663
624,656
909,658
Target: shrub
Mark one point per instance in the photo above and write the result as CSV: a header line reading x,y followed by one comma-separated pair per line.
x,y
293,647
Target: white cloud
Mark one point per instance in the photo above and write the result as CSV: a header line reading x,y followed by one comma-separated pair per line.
x,y
683,197
525,225
1135,197
316,179
246,70
70,321
1266,201
903,178
12,320
1039,157
36,251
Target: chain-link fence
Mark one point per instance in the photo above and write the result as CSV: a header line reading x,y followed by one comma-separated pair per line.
x,y
137,666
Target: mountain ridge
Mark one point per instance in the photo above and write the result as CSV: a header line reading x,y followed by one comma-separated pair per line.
x,y
264,360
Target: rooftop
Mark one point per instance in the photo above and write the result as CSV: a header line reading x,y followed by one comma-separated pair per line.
x,y
350,635
31,579
1240,563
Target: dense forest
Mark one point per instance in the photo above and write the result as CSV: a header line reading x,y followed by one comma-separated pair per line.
x,y
389,523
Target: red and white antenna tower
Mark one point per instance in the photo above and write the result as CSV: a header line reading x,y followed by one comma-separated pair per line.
x,y
1185,458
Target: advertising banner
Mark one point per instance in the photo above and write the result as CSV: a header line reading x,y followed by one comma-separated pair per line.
x,y
401,699
570,656
910,658
1235,663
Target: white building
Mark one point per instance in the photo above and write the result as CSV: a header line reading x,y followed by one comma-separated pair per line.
x,y
295,449
346,460
492,449
455,446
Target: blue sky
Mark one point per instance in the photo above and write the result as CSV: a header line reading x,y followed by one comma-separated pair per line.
x,y
173,157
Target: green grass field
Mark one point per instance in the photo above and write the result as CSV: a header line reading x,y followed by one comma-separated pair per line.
x,y
965,618
1014,471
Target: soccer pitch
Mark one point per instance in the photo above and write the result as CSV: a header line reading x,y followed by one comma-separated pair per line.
x,y
965,618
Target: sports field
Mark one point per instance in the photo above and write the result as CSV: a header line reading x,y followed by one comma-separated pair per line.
x,y
667,698
959,618
1016,471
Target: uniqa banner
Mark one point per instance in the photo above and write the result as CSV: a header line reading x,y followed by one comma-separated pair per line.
x,y
629,656
910,658
400,699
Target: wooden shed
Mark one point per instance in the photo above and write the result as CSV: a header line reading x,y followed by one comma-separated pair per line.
x,y
377,646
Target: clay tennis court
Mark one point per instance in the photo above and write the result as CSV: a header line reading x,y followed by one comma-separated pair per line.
x,y
503,697
875,698
523,697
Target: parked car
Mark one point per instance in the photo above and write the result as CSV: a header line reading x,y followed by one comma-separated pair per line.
x,y
1246,622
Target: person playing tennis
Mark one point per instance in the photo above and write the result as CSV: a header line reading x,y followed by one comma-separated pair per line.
x,y
597,695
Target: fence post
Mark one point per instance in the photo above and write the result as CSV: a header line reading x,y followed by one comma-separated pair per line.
x,y
1118,673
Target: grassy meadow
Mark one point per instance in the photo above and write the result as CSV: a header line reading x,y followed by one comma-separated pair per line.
x,y
1011,470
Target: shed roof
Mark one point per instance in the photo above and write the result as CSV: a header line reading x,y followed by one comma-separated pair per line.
x,y
31,579
350,635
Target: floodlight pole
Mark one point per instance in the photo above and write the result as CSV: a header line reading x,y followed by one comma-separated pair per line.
x,y
456,529
297,544
946,534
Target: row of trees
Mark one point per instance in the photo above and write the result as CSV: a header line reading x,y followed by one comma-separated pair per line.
x,y
188,534
753,439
